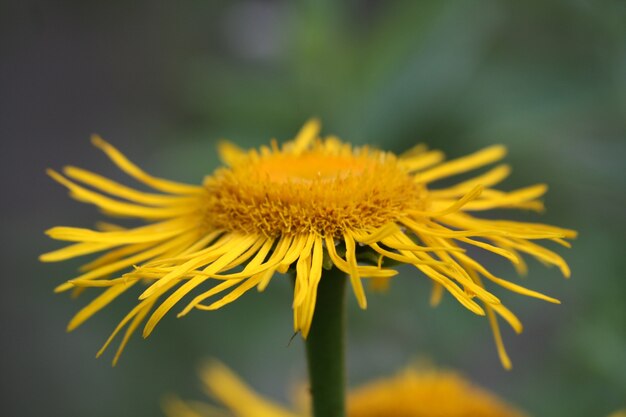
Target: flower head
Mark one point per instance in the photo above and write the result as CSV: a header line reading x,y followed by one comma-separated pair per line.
x,y
310,204
412,392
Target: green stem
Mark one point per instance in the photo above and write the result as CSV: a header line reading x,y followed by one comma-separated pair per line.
x,y
325,347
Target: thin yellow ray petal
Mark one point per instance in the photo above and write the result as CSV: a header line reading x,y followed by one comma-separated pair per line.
x,y
64,287
142,234
266,277
562,242
141,272
230,153
375,272
379,284
252,266
298,315
114,188
315,276
157,274
302,273
364,271
256,265
174,407
301,283
497,336
131,169
104,283
205,246
232,244
421,161
463,202
522,267
195,303
509,200
131,329
97,304
491,248
377,235
226,387
500,309
470,227
108,227
488,179
132,260
459,274
510,318
282,247
202,242
137,309
463,164
300,289
416,150
355,279
114,255
538,252
401,258
444,232
453,289
306,136
436,294
559,232
72,251
120,208
395,244
233,295
340,263
523,230
77,291
294,250
216,266
253,250
502,282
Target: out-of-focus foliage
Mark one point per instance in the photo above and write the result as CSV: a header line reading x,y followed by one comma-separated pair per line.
x,y
164,82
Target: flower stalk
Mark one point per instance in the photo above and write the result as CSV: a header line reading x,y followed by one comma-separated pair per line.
x,y
325,347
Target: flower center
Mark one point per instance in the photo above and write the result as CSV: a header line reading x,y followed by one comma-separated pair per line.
x,y
324,191
310,167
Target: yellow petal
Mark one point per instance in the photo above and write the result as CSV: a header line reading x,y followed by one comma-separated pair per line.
x,y
131,169
229,153
97,304
463,164
306,135
237,396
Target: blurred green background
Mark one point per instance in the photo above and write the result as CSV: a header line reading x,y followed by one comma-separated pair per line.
x,y
164,80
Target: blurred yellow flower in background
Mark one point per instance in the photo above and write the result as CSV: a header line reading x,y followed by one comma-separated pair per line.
x,y
412,392
311,204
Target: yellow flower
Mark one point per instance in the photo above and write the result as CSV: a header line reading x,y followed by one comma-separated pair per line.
x,y
310,204
410,393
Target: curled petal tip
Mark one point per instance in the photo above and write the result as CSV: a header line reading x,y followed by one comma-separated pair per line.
x,y
97,140
64,287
